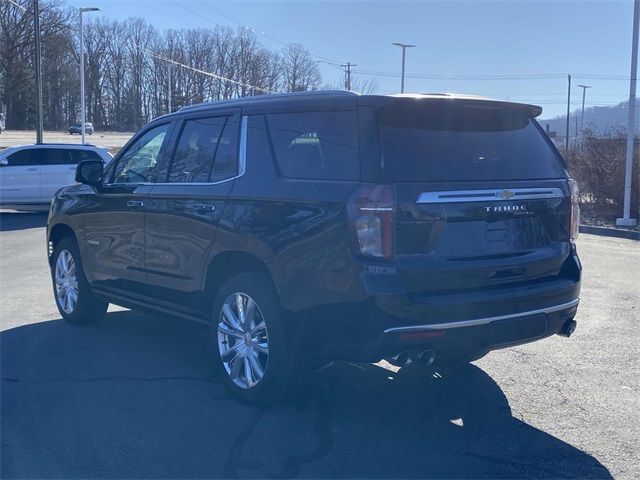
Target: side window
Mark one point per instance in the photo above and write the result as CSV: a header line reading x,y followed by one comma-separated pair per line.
x,y
206,151
22,158
316,145
226,162
80,155
54,156
140,162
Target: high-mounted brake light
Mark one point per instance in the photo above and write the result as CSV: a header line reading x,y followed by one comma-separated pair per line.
x,y
371,211
574,227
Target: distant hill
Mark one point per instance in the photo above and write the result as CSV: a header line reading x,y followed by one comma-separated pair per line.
x,y
600,119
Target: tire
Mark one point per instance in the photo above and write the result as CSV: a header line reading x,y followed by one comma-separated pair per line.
x,y
283,368
67,277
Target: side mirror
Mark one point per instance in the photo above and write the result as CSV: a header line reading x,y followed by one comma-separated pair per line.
x,y
4,162
90,172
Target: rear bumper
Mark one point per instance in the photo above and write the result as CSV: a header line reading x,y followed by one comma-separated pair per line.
x,y
459,325
471,339
467,339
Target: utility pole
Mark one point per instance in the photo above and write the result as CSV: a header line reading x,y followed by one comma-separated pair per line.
x,y
626,219
566,143
347,74
404,47
168,87
347,71
81,10
584,91
38,62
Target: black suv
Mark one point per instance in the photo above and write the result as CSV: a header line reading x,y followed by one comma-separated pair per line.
x,y
422,229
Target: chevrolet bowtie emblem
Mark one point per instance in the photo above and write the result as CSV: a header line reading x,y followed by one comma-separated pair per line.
x,y
506,194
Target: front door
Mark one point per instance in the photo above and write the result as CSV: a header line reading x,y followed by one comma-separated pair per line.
x,y
20,178
183,212
114,225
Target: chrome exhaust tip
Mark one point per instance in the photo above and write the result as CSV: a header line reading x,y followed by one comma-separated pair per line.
x,y
400,359
427,357
568,328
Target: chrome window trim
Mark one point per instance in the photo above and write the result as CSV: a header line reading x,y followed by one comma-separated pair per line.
x,y
242,165
242,150
493,195
482,321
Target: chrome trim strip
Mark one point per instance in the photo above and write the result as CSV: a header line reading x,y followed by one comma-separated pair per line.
x,y
459,196
481,321
242,152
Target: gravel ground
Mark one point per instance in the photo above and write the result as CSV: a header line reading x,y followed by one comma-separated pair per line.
x,y
135,395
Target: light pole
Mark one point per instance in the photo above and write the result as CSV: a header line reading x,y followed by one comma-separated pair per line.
x,y
584,91
81,10
404,47
626,219
566,141
38,62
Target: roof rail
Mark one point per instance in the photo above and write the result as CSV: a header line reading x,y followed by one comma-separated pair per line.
x,y
270,96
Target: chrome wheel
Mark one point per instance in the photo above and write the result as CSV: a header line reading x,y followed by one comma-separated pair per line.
x,y
243,341
66,282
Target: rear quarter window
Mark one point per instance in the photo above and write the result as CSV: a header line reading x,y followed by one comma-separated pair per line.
x,y
464,144
315,145
80,155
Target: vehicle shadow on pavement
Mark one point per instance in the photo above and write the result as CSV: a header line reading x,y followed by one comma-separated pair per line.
x,y
10,221
135,396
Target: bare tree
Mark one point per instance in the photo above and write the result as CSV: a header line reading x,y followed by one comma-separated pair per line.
x,y
299,70
126,66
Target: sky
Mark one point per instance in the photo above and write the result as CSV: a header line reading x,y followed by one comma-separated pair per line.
x,y
514,50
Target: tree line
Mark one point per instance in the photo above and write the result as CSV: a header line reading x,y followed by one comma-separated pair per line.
x,y
127,68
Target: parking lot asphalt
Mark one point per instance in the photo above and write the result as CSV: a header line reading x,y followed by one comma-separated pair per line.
x,y
135,395
111,140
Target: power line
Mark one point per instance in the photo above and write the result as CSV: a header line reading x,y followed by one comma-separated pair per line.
x,y
228,16
17,5
533,76
204,72
464,77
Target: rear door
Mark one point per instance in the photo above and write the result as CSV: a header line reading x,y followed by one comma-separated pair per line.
x,y
20,177
183,211
482,196
58,167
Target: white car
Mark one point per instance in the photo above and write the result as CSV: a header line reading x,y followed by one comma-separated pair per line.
x,y
31,174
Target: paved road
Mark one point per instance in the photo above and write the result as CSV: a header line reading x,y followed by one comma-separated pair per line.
x,y
111,140
135,396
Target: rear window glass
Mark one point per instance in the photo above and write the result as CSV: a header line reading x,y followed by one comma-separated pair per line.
x,y
464,143
55,156
316,145
80,155
207,150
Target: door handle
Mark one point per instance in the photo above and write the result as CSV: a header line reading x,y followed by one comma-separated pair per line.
x,y
32,169
134,203
205,207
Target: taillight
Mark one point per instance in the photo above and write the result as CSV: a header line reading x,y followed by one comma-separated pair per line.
x,y
575,210
371,211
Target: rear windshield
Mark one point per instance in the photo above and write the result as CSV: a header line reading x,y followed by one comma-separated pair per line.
x,y
464,143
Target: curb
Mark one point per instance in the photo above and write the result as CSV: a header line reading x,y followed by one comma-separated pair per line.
x,y
610,232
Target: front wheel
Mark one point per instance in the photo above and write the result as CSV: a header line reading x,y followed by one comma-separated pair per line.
x,y
74,299
257,359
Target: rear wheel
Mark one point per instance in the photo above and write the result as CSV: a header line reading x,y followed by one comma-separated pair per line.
x,y
74,299
257,360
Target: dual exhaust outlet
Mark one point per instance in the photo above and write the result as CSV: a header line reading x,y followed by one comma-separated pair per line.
x,y
407,357
428,357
